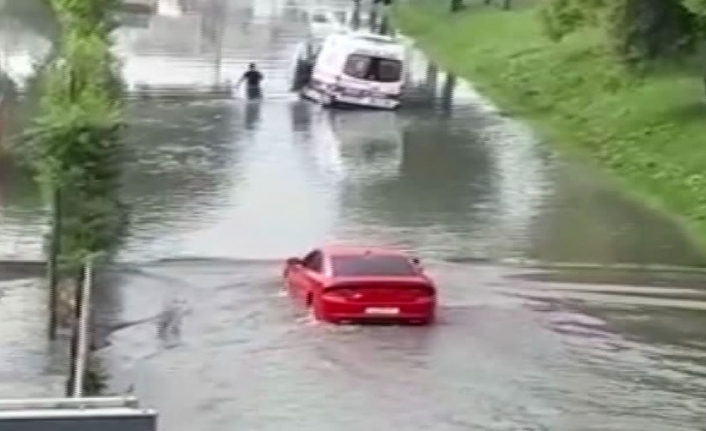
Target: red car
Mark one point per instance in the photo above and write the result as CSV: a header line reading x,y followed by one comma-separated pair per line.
x,y
358,283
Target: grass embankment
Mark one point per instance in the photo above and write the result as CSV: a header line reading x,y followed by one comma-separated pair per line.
x,y
650,131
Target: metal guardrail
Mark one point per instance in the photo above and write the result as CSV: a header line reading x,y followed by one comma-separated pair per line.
x,y
69,403
139,6
83,332
195,91
76,414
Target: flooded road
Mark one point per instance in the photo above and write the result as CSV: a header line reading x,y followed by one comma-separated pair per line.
x,y
534,334
512,351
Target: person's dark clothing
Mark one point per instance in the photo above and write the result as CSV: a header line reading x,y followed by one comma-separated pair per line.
x,y
253,78
253,92
252,81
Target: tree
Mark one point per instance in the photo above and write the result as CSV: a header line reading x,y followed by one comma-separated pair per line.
x,y
74,142
637,30
698,8
650,29
561,17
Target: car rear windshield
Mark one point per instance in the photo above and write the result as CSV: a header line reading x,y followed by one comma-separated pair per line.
x,y
371,265
373,68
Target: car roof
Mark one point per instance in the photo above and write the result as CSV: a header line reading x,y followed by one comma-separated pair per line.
x,y
349,250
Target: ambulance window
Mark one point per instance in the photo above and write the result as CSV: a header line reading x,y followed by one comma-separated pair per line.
x,y
373,68
357,66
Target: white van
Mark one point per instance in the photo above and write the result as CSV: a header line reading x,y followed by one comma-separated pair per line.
x,y
358,68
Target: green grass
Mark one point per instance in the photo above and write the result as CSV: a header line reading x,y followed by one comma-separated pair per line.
x,y
649,131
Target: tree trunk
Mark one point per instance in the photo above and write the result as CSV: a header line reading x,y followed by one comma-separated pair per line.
x,y
52,263
384,25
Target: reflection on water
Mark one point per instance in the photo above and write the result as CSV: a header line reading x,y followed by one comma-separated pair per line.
x,y
252,115
22,215
447,92
181,169
370,143
30,366
586,216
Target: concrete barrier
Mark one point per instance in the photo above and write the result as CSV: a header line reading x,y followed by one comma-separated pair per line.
x,y
143,91
139,6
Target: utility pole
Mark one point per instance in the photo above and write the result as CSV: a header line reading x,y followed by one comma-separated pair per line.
x,y
355,19
373,17
221,9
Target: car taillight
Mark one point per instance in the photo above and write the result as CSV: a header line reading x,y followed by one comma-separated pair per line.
x,y
423,293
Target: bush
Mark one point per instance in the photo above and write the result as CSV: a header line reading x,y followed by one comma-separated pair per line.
x,y
561,17
645,129
650,29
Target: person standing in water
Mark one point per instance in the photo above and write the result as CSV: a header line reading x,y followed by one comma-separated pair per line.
x,y
252,78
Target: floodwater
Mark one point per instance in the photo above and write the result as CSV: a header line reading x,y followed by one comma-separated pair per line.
x,y
535,331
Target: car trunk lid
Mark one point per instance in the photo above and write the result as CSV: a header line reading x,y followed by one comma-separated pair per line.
x,y
380,290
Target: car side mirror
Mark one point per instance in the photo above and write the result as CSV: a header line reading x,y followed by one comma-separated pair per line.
x,y
294,261
417,262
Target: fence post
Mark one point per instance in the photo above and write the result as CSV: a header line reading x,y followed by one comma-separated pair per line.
x,y
79,345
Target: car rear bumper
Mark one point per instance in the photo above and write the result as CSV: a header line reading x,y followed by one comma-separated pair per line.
x,y
337,98
371,102
422,310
